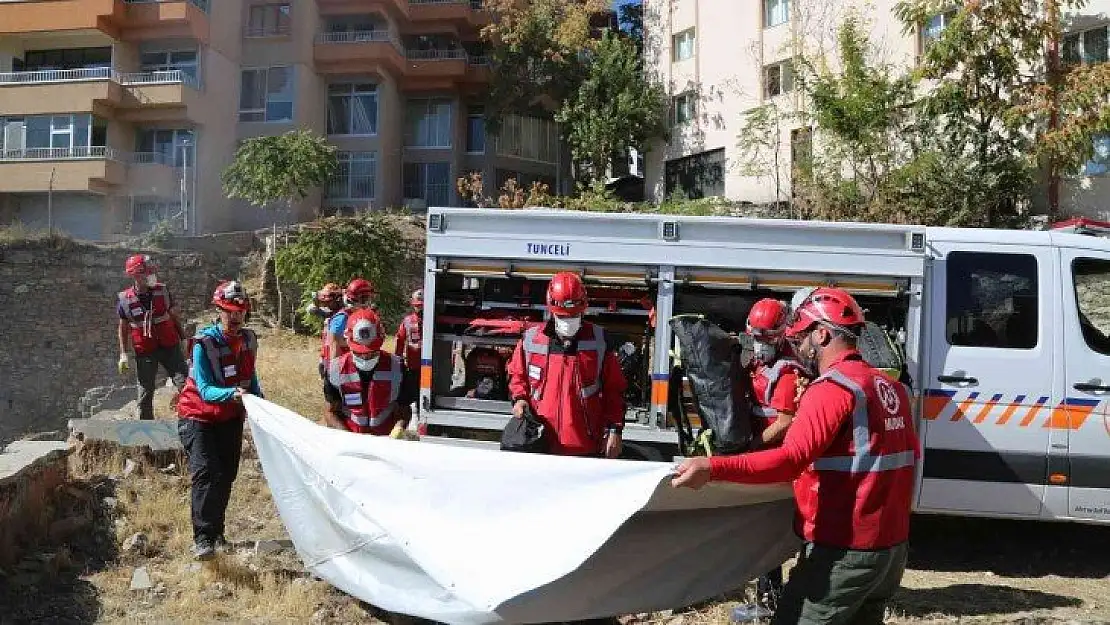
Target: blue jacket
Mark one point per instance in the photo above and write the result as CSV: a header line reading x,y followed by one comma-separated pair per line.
x,y
202,371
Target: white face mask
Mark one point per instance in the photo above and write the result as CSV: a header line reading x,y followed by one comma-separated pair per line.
x,y
764,351
365,364
152,280
567,327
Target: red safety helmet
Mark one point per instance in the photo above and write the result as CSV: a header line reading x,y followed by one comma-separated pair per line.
x,y
364,332
331,293
566,295
829,306
359,291
417,299
767,319
139,265
231,296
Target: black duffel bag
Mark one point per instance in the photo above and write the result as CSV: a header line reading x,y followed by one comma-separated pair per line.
x,y
526,434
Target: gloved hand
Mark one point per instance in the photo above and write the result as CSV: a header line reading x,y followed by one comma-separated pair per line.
x,y
124,363
398,431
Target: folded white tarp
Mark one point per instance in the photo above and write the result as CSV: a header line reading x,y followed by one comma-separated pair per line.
x,y
465,535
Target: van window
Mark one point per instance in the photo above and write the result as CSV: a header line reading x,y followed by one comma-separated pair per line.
x,y
1092,298
991,300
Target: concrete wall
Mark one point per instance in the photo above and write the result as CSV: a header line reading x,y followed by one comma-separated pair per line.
x,y
59,331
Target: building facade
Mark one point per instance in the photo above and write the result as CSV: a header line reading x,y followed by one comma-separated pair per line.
x,y
720,59
120,115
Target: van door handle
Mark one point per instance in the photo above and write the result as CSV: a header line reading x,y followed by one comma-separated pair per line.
x,y
1090,388
955,379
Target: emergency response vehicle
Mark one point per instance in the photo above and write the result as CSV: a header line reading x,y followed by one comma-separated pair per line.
x,y
1005,334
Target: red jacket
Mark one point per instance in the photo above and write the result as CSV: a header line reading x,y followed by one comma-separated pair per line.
x,y
577,392
774,388
409,336
224,367
852,447
373,411
151,327
325,353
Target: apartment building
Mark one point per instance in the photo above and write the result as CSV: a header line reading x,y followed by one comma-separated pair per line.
x,y
117,115
722,58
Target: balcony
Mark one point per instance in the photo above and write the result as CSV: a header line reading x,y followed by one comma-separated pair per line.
x,y
97,169
56,15
147,20
90,90
372,51
457,11
153,174
164,96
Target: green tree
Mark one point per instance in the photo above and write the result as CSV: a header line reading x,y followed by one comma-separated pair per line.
x,y
282,168
614,108
632,23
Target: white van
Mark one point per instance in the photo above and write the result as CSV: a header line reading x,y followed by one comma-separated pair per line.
x,y
1005,333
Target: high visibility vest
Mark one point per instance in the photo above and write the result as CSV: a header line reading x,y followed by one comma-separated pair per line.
x,y
228,369
858,494
151,327
537,346
373,410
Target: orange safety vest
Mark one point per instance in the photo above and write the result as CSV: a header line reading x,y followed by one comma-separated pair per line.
x,y
228,369
151,327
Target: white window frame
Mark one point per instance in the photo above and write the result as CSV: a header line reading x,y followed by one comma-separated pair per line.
x,y
355,89
262,113
425,185
687,102
1099,164
785,74
271,14
431,111
924,39
1080,38
685,41
169,64
775,13
346,180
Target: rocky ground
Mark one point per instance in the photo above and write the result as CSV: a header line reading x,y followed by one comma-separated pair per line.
x,y
119,553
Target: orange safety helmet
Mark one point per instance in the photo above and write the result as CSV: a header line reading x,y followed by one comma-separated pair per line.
x,y
828,306
139,264
566,295
231,296
364,332
767,319
359,292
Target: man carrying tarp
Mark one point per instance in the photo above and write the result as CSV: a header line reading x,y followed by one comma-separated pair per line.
x,y
851,452
564,372
365,386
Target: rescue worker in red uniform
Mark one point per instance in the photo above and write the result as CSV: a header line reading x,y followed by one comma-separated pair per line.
x,y
364,388
851,452
408,342
149,324
774,378
327,303
359,294
212,414
566,373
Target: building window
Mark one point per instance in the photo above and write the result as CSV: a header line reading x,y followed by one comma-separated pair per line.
x,y
267,95
430,182
475,131
73,58
268,20
778,79
428,123
355,179
682,45
168,147
697,176
184,61
1088,46
1099,165
683,108
991,300
53,136
146,214
933,27
1091,277
353,109
529,138
775,12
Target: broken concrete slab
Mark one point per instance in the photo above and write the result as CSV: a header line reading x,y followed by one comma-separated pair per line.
x,y
21,456
157,434
140,579
264,547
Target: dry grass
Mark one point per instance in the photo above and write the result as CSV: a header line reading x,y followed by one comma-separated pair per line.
x,y
961,570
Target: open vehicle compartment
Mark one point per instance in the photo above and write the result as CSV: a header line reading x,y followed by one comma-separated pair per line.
x,y
640,270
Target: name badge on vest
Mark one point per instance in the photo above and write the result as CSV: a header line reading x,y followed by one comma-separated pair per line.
x,y
136,312
534,372
229,371
353,399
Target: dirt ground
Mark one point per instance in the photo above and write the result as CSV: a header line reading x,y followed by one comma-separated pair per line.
x,y
960,571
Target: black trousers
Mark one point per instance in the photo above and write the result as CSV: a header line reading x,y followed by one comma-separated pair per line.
x,y
213,450
146,370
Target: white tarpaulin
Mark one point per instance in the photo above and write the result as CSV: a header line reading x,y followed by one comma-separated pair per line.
x,y
465,535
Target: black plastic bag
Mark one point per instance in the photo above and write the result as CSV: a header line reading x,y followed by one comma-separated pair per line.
x,y
527,434
719,382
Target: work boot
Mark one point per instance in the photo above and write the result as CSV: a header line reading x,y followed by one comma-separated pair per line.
x,y
204,549
221,545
